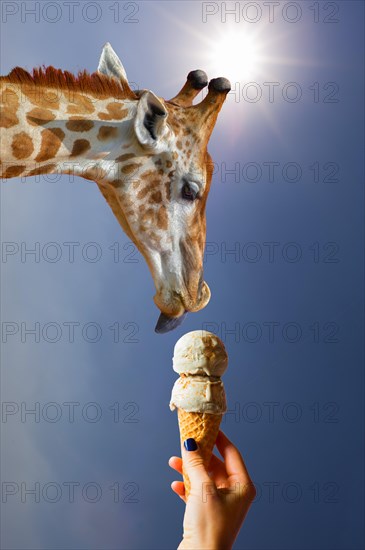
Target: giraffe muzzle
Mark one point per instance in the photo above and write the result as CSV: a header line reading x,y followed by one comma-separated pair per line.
x,y
167,323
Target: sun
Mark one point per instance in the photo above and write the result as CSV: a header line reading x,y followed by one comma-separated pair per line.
x,y
235,54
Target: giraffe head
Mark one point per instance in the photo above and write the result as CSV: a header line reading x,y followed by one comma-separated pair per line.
x,y
165,177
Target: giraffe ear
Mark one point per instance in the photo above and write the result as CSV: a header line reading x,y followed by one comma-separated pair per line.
x,y
150,122
110,64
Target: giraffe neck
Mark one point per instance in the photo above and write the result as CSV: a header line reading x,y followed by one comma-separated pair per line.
x,y
47,131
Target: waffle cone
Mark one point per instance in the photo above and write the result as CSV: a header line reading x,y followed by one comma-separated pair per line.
x,y
204,428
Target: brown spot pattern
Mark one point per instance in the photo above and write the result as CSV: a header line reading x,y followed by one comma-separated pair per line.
x,y
107,132
116,183
142,193
154,183
47,169
80,104
80,147
148,174
127,156
42,97
129,168
174,125
156,197
116,111
51,142
22,145
9,103
168,190
14,171
79,125
162,218
38,116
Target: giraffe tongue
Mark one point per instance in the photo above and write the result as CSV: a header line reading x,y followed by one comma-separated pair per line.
x,y
165,323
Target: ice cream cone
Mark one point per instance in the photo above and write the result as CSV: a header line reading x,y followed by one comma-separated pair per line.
x,y
198,395
204,428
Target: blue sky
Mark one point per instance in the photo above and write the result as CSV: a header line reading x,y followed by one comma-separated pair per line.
x,y
284,263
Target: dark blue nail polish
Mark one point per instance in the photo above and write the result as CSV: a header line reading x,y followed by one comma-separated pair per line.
x,y
190,444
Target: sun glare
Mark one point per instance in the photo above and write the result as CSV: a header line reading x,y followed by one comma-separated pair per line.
x,y
244,54
236,55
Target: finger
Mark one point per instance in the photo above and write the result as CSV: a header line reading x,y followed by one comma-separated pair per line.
x,y
175,463
216,464
217,470
194,465
179,488
232,458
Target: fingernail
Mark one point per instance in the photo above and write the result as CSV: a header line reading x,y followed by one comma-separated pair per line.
x,y
190,444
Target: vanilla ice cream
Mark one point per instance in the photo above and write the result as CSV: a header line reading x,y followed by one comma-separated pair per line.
x,y
200,358
200,353
199,394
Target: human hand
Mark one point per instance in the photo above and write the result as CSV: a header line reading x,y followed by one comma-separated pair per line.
x,y
219,498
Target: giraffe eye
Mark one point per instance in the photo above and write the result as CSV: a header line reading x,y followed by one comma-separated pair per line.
x,y
189,192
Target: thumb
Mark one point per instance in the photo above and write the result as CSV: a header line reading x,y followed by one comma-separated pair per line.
x,y
193,464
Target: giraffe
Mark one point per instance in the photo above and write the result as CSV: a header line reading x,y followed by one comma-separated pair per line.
x,y
147,155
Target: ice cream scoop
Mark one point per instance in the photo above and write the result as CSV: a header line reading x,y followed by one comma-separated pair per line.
x,y
198,395
200,352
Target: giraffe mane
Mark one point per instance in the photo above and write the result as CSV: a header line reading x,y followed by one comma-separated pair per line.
x,y
97,84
